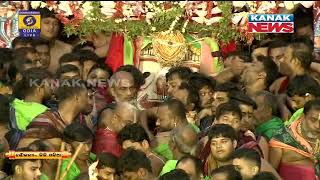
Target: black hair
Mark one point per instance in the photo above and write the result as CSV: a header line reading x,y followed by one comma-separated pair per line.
x,y
103,66
226,87
69,57
25,41
39,42
243,98
227,107
67,68
176,174
196,161
135,72
198,81
32,78
46,13
276,43
302,84
17,66
229,170
313,104
16,162
182,71
77,132
176,107
248,154
193,96
303,18
132,160
304,40
270,68
222,130
133,132
4,109
302,53
6,56
245,56
107,160
23,51
40,145
83,45
269,100
264,176
70,87
86,55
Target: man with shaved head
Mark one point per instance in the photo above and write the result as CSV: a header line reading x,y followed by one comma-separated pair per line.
x,y
183,140
110,124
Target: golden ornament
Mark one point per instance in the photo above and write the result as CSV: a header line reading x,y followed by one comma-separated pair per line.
x,y
169,47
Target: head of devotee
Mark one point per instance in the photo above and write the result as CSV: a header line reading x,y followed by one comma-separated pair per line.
x,y
175,77
229,113
134,136
247,162
26,169
227,172
177,174
43,48
171,113
123,87
205,87
192,166
223,142
107,166
247,107
134,165
266,108
259,75
183,141
68,71
50,25
300,94
75,93
311,123
187,95
222,92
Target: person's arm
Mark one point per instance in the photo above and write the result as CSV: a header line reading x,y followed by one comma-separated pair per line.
x,y
263,143
282,106
275,157
143,117
266,166
224,76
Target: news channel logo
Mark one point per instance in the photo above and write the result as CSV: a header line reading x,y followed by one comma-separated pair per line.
x,y
29,23
271,23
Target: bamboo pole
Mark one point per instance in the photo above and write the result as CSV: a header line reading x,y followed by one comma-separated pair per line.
x,y
62,147
72,160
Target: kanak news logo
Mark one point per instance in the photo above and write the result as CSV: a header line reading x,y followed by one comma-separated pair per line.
x,y
271,23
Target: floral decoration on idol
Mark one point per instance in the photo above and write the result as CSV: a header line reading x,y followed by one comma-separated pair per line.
x,y
221,20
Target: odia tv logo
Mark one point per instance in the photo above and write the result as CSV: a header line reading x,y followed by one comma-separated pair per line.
x,y
29,20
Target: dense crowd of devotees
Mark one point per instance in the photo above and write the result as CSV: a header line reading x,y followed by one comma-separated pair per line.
x,y
258,119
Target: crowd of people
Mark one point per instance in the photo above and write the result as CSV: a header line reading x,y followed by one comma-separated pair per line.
x,y
257,119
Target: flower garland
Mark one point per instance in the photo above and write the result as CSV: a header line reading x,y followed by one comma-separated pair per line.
x,y
217,19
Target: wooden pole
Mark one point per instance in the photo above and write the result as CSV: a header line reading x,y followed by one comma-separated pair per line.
x,y
62,147
72,160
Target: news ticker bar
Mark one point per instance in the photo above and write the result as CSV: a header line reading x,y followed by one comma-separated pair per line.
x,y
38,154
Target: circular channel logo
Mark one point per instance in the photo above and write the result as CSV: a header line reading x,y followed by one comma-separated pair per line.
x,y
29,20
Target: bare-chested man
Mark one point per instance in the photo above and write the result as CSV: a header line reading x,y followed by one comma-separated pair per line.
x,y
49,31
295,151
